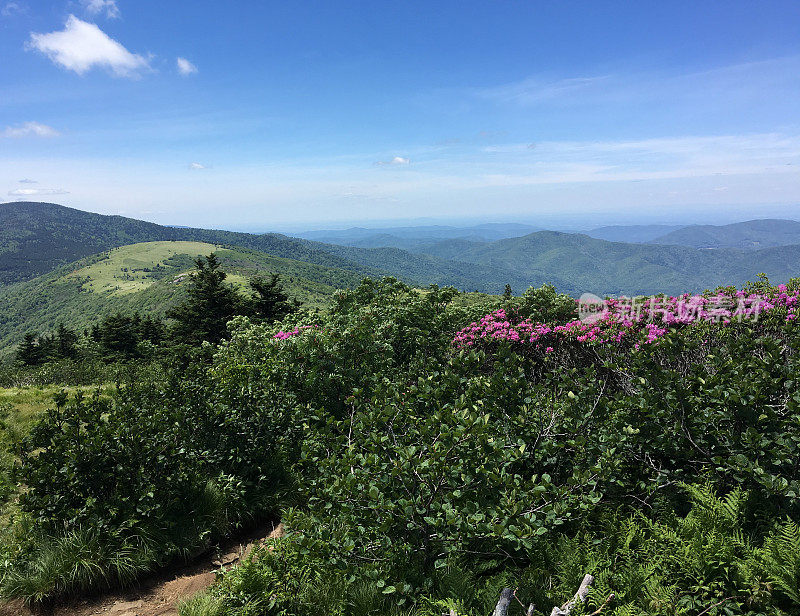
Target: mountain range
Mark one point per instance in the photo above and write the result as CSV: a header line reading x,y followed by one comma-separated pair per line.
x,y
45,250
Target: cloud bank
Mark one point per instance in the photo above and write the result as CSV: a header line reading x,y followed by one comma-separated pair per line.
x,y
36,192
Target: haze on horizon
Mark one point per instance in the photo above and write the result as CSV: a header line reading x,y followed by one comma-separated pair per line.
x,y
265,115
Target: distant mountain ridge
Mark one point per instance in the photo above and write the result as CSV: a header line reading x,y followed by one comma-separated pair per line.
x,y
574,263
587,264
402,237
636,234
748,235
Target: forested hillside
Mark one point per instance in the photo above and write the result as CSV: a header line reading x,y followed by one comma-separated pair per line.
x,y
148,278
577,263
36,237
753,234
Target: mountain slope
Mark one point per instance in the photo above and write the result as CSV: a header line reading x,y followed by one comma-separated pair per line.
x,y
37,237
147,277
574,263
48,246
752,234
424,269
598,266
359,236
632,233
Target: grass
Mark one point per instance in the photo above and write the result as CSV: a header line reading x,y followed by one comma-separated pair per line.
x,y
19,409
129,269
27,403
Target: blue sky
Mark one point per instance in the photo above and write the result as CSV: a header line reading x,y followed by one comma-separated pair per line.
x,y
265,115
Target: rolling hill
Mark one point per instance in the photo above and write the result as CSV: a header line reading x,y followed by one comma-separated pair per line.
x,y
585,264
749,235
632,233
23,255
146,277
38,237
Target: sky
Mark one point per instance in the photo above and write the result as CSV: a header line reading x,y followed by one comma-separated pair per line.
x,y
270,115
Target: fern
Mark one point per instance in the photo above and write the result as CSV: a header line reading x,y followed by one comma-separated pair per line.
x,y
782,559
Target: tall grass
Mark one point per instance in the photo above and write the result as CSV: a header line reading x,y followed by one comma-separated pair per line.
x,y
79,561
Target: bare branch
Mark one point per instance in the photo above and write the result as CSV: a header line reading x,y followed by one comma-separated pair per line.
x,y
502,604
580,597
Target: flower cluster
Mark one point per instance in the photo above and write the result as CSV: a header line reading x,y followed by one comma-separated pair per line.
x,y
640,321
282,335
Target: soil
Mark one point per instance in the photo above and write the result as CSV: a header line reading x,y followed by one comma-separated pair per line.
x,y
159,594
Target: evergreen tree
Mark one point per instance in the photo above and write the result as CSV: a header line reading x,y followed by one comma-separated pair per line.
x,y
117,335
28,352
65,342
210,305
270,301
151,330
508,293
48,348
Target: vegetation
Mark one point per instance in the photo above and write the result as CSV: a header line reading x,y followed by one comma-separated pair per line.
x,y
418,474
147,278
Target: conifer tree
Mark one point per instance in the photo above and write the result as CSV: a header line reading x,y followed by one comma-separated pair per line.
x,y
270,302
210,304
118,336
65,342
29,353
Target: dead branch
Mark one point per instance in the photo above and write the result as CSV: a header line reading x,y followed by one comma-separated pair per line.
x,y
505,600
608,600
580,597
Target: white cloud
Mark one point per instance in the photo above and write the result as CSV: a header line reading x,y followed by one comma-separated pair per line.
x,y
36,192
30,129
397,160
95,7
185,67
12,8
81,46
197,166
28,181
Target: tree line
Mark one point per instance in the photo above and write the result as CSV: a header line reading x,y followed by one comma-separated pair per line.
x,y
203,316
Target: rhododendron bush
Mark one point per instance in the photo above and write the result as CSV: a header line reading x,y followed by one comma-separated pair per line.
x,y
630,322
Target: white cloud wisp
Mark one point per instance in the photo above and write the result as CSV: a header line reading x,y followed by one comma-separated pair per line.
x,y
185,67
95,7
29,129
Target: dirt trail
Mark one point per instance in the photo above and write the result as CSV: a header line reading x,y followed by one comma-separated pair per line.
x,y
159,594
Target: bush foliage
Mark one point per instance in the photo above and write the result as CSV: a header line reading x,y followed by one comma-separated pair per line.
x,y
419,476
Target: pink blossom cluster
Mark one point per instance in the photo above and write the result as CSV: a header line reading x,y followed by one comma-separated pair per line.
x,y
497,326
641,321
282,335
